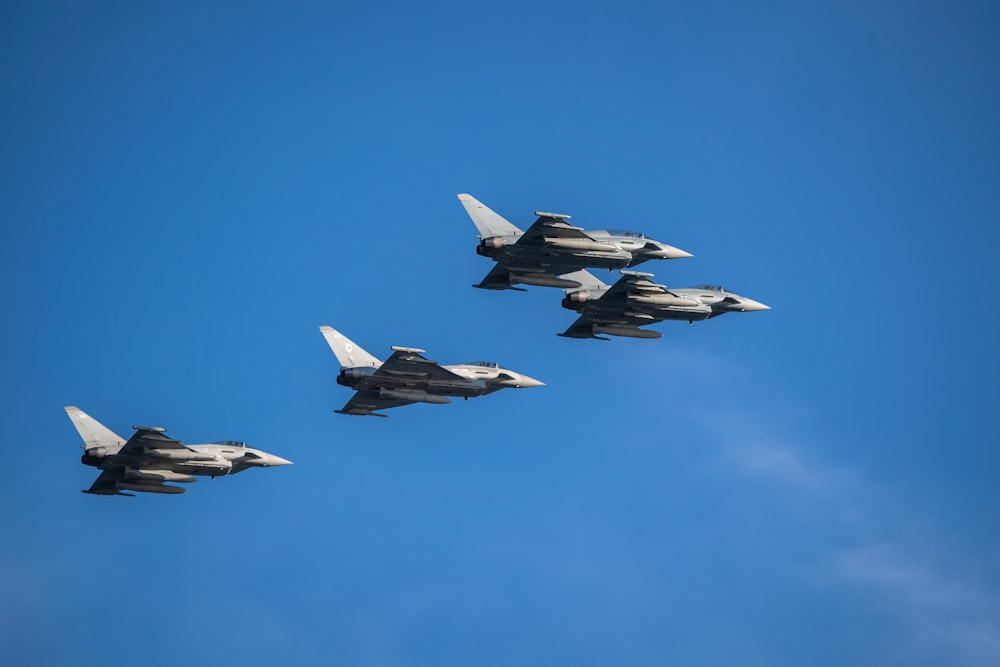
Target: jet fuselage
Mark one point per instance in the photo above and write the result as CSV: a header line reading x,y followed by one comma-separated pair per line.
x,y
604,250
209,460
635,308
647,303
477,379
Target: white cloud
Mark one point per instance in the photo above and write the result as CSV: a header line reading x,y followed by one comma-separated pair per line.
x,y
886,550
877,543
958,615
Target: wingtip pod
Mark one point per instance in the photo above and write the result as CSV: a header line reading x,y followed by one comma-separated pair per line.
x,y
152,429
557,216
413,350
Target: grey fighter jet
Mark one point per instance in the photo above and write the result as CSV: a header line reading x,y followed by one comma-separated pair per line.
x,y
552,247
149,458
406,377
635,300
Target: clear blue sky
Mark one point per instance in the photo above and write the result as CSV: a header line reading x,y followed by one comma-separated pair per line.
x,y
188,190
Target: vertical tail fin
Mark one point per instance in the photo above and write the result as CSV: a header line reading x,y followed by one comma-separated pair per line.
x,y
588,281
93,432
488,222
349,354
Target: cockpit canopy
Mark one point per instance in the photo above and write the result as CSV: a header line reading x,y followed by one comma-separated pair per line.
x,y
485,364
625,232
711,288
231,443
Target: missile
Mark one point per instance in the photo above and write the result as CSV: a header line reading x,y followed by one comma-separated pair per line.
x,y
663,300
177,454
578,244
414,395
542,280
627,332
159,475
635,315
149,487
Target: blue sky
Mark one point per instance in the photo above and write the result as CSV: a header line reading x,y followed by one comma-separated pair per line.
x,y
189,190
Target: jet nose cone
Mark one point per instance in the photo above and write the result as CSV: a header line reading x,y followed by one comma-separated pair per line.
x,y
675,253
751,305
525,381
657,250
271,461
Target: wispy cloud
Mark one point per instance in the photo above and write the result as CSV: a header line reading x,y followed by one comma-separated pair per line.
x,y
880,553
764,456
880,546
960,615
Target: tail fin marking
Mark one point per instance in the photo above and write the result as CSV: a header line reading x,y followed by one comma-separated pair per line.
x,y
93,432
488,222
349,353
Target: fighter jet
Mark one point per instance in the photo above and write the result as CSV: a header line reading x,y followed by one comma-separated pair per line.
x,y
150,458
635,300
552,247
406,377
